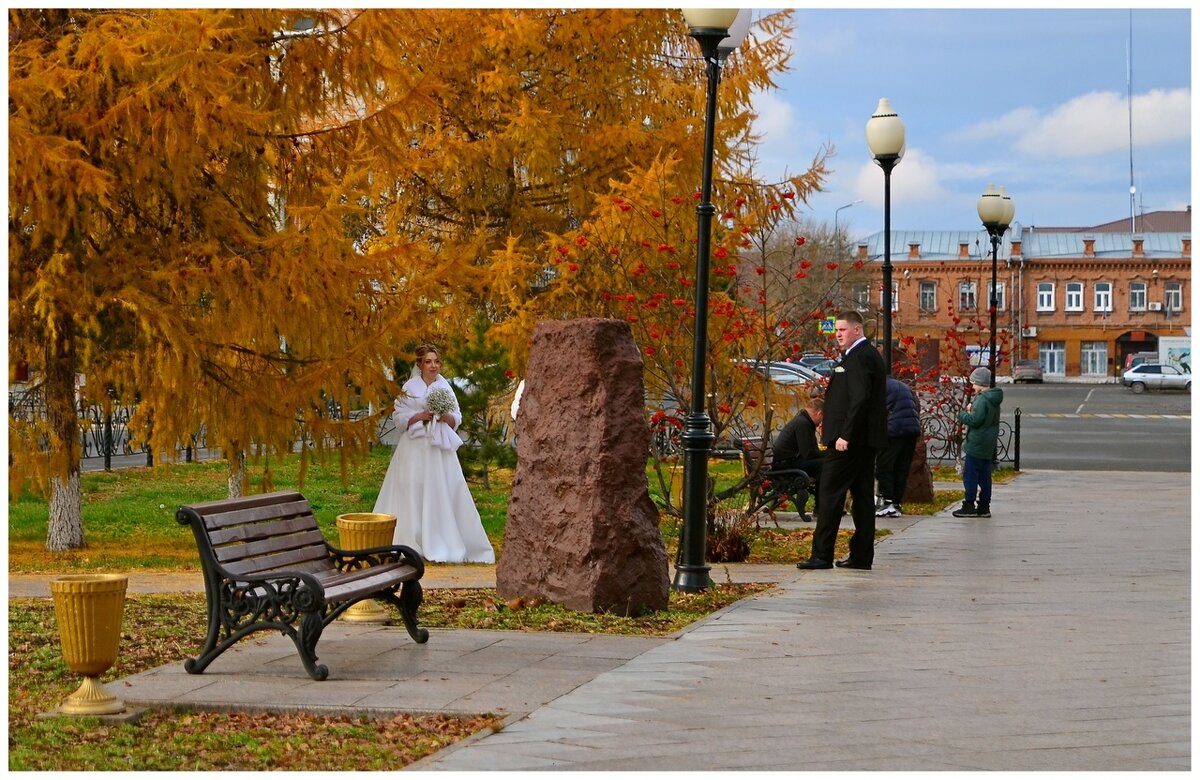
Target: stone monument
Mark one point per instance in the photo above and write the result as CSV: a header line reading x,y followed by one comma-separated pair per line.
x,y
582,530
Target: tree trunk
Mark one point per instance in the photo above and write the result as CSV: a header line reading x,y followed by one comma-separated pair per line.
x,y
64,530
920,478
237,473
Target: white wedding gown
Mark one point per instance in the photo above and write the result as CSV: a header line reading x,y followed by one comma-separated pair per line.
x,y
425,488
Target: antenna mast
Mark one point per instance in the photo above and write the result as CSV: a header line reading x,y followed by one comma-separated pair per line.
x,y
1129,92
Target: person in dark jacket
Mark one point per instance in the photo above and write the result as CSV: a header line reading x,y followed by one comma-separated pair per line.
x,y
854,429
895,460
796,445
979,449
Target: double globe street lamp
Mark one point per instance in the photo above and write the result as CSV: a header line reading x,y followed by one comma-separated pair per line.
x,y
885,139
718,31
996,211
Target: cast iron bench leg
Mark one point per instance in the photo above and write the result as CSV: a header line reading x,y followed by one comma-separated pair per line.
x,y
311,626
408,602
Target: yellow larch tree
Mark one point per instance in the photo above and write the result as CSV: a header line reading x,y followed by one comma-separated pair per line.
x,y
188,190
238,218
538,112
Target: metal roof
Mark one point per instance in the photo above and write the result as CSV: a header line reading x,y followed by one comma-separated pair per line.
x,y
944,244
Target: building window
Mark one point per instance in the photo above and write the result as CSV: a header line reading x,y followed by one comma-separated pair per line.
x,y
999,295
967,296
1053,355
1137,296
929,296
1093,358
1045,296
1173,296
1102,296
862,296
1074,296
895,296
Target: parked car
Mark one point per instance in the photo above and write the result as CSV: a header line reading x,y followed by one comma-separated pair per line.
x,y
1156,376
1135,359
1027,371
823,366
817,361
784,373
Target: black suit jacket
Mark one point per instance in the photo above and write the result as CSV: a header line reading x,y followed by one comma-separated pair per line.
x,y
856,400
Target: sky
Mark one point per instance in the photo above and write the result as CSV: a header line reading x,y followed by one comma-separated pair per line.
x,y
1036,101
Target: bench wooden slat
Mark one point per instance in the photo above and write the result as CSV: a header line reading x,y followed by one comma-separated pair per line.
x,y
228,553
336,578
255,531
246,502
288,560
213,521
373,580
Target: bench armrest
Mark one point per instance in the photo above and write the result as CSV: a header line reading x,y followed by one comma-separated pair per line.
x,y
344,560
300,589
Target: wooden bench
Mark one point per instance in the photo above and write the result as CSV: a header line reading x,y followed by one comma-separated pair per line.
x,y
769,488
267,565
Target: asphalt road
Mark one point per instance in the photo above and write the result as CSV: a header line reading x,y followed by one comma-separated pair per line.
x,y
1063,426
1101,427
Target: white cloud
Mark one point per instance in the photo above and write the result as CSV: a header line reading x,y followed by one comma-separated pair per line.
x,y
916,178
1092,124
775,116
1006,126
785,142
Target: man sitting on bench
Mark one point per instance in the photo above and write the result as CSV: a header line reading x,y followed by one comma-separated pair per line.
x,y
796,446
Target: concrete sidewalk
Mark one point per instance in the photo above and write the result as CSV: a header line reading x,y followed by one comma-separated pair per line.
x,y
1053,636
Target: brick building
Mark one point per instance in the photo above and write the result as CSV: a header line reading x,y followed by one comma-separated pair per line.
x,y
1078,300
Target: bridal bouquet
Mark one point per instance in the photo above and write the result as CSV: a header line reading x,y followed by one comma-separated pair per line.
x,y
439,401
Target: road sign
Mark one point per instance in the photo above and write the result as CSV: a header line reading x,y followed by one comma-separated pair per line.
x,y
827,325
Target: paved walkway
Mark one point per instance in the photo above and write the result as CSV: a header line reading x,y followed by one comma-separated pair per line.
x,y
1053,636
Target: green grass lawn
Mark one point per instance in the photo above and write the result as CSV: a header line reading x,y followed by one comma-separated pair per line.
x,y
129,515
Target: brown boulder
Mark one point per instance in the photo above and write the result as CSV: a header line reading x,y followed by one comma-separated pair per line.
x,y
582,530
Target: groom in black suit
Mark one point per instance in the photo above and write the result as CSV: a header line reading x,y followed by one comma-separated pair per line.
x,y
854,428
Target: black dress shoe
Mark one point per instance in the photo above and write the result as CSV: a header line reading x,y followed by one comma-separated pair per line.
x,y
814,563
846,563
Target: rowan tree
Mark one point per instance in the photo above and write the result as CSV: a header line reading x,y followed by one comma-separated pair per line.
x,y
634,259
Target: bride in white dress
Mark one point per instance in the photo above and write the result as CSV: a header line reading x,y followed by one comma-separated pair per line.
x,y
425,488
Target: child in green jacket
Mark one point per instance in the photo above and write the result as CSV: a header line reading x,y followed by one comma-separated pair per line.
x,y
983,431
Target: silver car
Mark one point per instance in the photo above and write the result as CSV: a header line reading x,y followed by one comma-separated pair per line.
x,y
1027,371
1156,376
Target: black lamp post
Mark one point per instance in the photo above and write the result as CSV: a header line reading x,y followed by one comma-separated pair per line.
x,y
996,211
709,26
885,139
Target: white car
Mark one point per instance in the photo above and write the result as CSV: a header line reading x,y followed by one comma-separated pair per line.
x,y
1156,376
784,373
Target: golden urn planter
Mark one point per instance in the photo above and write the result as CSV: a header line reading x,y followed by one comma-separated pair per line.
x,y
362,531
88,609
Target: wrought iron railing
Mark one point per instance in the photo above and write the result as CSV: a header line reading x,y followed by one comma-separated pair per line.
x,y
103,430
944,440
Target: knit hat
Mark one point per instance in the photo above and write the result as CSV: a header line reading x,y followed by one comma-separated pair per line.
x,y
981,376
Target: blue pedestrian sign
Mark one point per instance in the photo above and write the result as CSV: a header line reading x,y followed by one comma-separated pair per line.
x,y
827,325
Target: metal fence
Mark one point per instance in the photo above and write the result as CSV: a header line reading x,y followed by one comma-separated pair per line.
x,y
944,440
103,430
